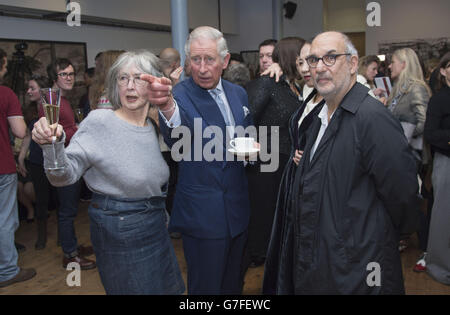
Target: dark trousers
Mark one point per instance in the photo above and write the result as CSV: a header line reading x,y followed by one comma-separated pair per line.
x,y
263,192
68,207
42,190
214,266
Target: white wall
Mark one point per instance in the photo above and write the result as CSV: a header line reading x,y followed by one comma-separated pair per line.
x,y
255,25
47,5
307,21
99,38
346,16
256,22
403,20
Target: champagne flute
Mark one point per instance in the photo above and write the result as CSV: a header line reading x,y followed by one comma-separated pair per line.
x,y
50,100
79,114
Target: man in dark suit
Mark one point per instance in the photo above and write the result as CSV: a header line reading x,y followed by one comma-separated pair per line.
x,y
211,206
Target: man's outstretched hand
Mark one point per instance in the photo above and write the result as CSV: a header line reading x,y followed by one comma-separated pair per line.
x,y
159,92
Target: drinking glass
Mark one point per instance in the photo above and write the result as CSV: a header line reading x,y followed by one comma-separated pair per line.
x,y
50,100
79,114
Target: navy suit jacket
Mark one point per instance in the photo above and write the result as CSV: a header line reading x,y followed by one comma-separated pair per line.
x,y
211,199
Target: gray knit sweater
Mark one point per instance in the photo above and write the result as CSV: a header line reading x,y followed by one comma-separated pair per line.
x,y
114,157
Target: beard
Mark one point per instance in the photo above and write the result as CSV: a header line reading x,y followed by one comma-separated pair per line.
x,y
331,87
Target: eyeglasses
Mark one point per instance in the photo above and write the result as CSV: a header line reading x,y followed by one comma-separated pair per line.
x,y
328,60
124,80
65,75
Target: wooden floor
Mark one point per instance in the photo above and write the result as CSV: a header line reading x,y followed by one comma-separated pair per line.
x,y
51,276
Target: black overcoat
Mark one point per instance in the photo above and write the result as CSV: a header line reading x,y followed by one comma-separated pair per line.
x,y
349,204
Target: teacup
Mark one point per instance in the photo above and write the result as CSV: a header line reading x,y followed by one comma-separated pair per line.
x,y
242,144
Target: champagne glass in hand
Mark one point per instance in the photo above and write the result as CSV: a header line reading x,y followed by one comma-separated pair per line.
x,y
79,114
50,100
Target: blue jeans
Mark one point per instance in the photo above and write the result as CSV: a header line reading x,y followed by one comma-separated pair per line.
x,y
68,198
133,250
9,222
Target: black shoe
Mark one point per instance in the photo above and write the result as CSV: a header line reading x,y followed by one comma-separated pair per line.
x,y
19,247
23,275
175,235
256,262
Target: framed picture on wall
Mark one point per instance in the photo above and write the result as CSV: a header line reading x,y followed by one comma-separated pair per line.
x,y
27,57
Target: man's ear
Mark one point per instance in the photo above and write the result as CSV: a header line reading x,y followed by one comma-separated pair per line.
x,y
226,60
354,60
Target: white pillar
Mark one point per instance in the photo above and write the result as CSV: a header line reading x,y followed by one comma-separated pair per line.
x,y
180,28
277,19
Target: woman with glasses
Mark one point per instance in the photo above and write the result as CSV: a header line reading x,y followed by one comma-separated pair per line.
x,y
271,105
117,153
298,125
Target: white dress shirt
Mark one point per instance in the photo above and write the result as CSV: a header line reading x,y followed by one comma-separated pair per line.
x,y
323,115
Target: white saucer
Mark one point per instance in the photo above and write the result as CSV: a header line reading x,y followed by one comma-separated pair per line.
x,y
249,153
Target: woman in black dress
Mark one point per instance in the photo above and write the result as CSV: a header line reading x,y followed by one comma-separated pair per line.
x,y
298,127
271,105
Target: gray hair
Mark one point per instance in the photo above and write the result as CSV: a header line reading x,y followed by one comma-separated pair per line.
x,y
349,47
144,60
208,32
237,73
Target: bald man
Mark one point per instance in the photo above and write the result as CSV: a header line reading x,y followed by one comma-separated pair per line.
x,y
355,190
171,60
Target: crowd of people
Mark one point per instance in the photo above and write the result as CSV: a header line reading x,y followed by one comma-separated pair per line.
x,y
360,169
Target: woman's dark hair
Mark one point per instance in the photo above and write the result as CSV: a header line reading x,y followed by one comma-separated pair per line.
x,y
40,80
2,55
285,54
54,67
30,111
445,60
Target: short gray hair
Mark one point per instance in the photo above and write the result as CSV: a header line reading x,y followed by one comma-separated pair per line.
x,y
349,47
144,60
207,32
237,73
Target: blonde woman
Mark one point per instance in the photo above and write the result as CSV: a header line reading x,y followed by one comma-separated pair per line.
x,y
367,71
410,94
408,102
97,91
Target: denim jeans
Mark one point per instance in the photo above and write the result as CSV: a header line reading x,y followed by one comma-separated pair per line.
x,y
9,222
133,250
68,198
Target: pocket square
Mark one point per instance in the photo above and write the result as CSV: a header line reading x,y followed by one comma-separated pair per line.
x,y
246,111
